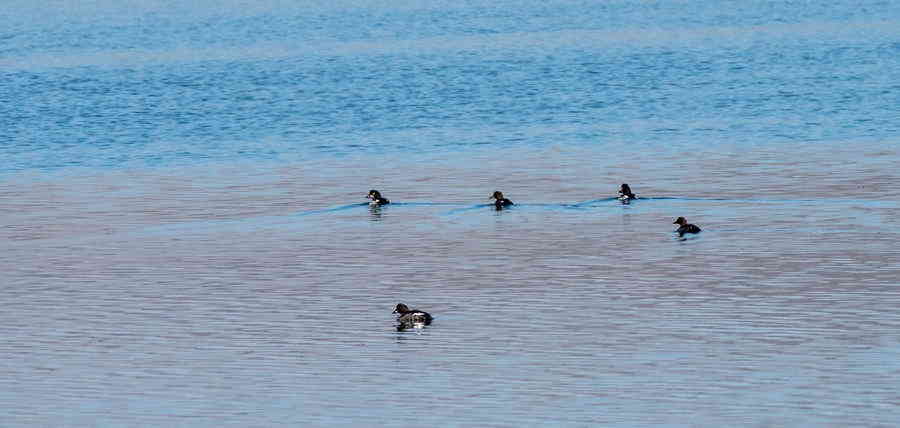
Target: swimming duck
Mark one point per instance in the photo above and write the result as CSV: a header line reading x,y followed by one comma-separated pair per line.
x,y
499,201
411,317
376,198
685,227
625,194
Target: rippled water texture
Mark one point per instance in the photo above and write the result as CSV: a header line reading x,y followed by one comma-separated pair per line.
x,y
185,239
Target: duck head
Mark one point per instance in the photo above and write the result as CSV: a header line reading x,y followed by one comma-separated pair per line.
x,y
680,221
401,309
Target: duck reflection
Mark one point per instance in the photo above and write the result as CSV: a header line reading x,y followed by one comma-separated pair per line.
x,y
375,212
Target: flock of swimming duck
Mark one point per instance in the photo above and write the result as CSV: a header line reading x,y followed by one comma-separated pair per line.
x,y
414,318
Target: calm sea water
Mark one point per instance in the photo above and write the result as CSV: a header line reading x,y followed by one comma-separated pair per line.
x,y
185,241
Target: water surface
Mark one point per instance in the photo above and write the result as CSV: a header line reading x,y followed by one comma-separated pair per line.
x,y
185,240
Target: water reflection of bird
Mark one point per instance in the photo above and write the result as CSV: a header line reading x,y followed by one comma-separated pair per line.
x,y
375,211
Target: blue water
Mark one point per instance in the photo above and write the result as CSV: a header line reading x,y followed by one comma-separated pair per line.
x,y
155,87
185,238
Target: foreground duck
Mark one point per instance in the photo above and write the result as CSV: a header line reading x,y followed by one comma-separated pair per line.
x,y
376,198
500,202
625,194
411,317
685,227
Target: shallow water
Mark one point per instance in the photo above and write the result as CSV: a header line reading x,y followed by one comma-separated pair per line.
x,y
186,243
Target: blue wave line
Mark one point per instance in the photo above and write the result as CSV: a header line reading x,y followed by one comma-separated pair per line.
x,y
593,203
422,204
469,208
331,210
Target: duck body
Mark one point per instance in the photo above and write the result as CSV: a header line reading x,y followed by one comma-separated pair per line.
x,y
503,203
685,227
376,198
411,317
688,228
500,202
625,194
